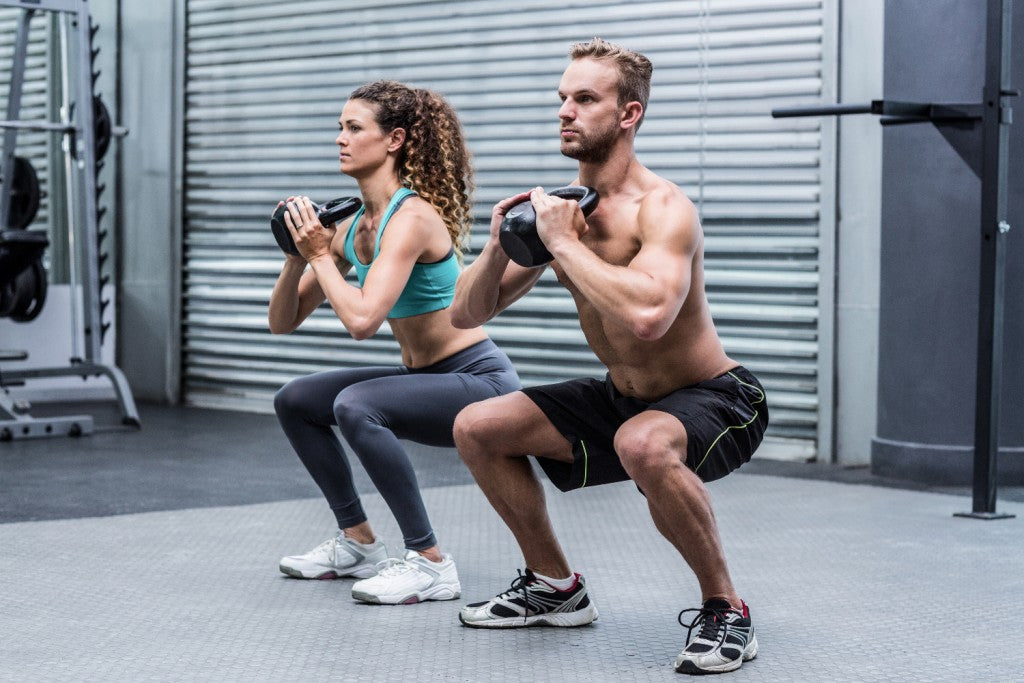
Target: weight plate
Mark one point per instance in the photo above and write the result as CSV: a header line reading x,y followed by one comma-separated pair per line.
x,y
101,126
25,194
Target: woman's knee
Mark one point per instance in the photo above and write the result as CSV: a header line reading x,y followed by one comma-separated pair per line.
x,y
291,399
352,412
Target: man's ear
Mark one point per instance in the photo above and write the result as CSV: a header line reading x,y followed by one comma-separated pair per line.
x,y
631,115
396,138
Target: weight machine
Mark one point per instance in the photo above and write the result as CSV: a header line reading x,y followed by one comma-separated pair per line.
x,y
85,130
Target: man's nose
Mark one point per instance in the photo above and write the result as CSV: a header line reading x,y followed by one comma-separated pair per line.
x,y
566,112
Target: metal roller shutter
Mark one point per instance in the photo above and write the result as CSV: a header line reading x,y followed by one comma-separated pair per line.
x,y
32,144
264,88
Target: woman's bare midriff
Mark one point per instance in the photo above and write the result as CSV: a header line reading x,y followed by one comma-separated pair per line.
x,y
430,337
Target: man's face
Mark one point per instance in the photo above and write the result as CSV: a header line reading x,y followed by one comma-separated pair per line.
x,y
589,113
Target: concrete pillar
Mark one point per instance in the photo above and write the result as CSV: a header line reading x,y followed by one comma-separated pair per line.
x,y
935,52
149,214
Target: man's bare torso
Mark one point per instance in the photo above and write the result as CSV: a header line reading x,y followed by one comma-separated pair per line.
x,y
690,351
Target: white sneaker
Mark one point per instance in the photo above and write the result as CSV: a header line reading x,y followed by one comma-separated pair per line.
x,y
334,558
413,579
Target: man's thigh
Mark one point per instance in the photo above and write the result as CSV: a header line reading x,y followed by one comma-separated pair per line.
x,y
516,426
587,414
724,417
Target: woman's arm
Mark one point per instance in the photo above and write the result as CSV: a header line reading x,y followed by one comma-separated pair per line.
x,y
363,310
296,295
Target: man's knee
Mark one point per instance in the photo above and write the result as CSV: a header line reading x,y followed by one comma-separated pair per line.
x,y
647,450
471,425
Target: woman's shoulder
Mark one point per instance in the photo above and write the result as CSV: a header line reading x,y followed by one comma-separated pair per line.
x,y
417,214
418,230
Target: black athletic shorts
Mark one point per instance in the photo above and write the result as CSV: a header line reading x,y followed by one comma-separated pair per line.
x,y
724,418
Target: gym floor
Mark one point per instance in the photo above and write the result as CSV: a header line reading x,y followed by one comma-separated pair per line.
x,y
152,554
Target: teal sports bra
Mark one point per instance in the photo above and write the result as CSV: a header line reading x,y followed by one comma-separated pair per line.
x,y
431,286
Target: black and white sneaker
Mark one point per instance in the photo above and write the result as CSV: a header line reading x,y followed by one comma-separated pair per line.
x,y
726,639
532,602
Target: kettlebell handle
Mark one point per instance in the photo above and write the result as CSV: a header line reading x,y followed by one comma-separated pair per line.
x,y
518,232
331,212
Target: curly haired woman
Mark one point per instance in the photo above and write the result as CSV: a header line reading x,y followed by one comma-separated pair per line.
x,y
405,149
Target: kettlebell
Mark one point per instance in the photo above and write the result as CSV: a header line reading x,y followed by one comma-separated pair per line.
x,y
331,212
518,233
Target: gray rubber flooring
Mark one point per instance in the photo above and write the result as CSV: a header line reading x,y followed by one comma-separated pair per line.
x,y
845,582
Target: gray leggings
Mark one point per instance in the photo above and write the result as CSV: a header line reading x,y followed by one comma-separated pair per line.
x,y
375,407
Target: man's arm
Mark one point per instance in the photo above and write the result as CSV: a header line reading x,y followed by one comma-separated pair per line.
x,y
645,295
492,282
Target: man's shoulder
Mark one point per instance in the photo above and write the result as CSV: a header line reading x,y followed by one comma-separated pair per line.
x,y
664,193
663,202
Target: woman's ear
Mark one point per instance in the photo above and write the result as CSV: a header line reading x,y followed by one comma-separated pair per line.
x,y
396,138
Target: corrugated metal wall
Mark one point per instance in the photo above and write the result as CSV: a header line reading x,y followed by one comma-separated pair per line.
x,y
30,144
264,86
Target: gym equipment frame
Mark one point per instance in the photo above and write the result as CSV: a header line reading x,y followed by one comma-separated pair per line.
x,y
979,134
79,143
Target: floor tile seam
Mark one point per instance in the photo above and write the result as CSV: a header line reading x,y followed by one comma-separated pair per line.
x,y
882,487
212,508
957,503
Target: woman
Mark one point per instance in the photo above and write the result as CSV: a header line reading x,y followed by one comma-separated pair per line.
x,y
405,149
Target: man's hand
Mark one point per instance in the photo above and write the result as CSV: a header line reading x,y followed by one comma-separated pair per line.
x,y
501,208
557,219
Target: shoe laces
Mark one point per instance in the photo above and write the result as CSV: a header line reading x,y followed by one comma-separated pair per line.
x,y
329,546
393,566
711,620
521,584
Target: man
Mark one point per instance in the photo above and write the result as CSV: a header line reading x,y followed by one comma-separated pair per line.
x,y
674,410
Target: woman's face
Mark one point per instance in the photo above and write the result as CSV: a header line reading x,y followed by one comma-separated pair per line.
x,y
362,146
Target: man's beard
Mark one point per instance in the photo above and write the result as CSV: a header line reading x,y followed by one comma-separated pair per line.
x,y
591,148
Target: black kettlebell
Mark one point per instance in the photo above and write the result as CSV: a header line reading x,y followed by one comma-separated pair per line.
x,y
331,212
518,232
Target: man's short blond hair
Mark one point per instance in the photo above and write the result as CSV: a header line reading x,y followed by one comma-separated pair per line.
x,y
634,69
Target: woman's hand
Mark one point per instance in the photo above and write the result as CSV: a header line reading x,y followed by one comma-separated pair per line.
x,y
311,239
288,256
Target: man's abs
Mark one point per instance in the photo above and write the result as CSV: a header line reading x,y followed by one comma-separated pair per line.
x,y
690,352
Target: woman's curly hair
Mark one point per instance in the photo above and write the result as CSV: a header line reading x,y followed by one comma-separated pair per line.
x,y
434,161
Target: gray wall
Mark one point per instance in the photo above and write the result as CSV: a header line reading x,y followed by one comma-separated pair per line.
x,y
149,209
938,342
934,52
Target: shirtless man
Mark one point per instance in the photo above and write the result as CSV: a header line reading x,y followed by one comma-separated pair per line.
x,y
672,413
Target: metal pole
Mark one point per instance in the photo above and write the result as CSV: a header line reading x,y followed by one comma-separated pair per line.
x,y
86,155
67,140
995,135
822,110
13,112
